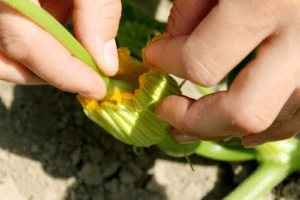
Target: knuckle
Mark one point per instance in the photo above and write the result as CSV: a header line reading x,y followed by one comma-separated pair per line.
x,y
253,16
252,120
111,9
13,45
200,68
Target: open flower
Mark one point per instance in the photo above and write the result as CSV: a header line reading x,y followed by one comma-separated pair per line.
x,y
129,112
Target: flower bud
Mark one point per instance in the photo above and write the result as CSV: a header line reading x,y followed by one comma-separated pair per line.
x,y
129,113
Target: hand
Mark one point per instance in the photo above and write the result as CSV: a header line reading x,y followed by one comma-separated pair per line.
x,y
30,55
208,39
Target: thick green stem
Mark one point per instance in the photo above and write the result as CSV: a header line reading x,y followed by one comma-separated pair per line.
x,y
50,24
225,152
260,183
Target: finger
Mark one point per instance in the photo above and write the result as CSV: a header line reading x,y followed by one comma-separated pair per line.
x,y
96,25
186,15
275,133
286,125
13,71
42,54
183,138
222,39
60,10
207,120
253,101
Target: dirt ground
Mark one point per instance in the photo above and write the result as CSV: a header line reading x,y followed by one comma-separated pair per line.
x,y
50,150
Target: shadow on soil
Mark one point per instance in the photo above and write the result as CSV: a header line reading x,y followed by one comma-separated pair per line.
x,y
49,126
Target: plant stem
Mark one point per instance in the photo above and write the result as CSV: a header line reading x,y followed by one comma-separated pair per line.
x,y
260,183
50,24
225,152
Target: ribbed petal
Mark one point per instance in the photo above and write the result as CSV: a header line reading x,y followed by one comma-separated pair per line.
x,y
130,116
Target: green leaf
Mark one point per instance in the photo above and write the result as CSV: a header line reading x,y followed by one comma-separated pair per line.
x,y
135,27
133,35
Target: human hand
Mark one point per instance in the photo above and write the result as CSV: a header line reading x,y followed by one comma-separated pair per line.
x,y
208,39
30,55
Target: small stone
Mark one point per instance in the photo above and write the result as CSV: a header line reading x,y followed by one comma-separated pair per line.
x,y
50,149
96,155
240,171
112,186
290,191
134,170
34,148
120,147
142,161
98,193
75,156
153,186
82,197
98,197
110,168
123,157
90,174
126,177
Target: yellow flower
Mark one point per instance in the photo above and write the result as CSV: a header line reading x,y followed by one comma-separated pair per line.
x,y
129,113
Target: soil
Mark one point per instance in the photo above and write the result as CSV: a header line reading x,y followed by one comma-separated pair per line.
x,y
50,150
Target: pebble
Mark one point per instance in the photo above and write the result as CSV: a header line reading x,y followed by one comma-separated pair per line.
x,y
143,161
98,197
90,174
95,154
126,177
119,147
82,197
50,149
34,148
110,168
290,191
123,157
240,171
112,186
98,193
153,186
75,156
134,170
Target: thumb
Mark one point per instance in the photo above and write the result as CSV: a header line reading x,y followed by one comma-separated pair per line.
x,y
186,15
96,25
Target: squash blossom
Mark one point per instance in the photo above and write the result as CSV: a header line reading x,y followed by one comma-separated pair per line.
x,y
129,112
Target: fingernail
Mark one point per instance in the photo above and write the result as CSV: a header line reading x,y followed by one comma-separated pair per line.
x,y
90,95
111,55
182,138
250,144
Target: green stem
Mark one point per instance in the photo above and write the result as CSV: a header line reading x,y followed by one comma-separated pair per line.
x,y
225,152
260,183
50,24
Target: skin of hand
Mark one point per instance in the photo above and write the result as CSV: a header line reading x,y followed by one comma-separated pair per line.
x,y
208,39
30,55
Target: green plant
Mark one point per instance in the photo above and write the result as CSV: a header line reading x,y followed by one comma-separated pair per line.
x,y
276,159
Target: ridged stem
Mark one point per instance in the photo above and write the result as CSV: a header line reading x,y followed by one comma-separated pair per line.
x,y
266,177
225,152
